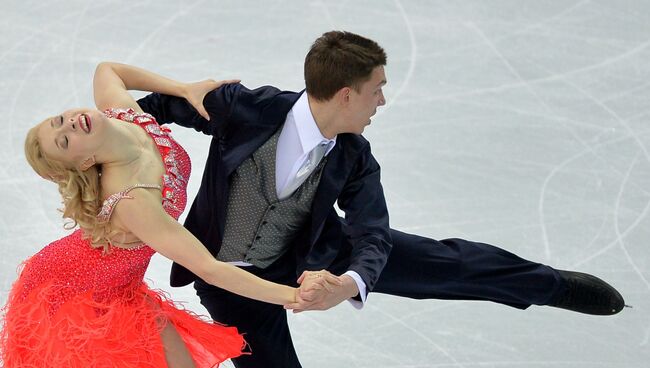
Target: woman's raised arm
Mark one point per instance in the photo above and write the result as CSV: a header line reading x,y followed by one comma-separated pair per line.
x,y
112,82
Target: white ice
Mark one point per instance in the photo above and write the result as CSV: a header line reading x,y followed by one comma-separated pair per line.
x,y
518,123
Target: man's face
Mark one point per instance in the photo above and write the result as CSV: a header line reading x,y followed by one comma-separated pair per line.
x,y
363,103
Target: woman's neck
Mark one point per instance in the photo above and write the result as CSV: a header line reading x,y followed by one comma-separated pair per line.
x,y
123,145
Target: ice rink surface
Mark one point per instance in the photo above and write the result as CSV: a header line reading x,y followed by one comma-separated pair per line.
x,y
522,124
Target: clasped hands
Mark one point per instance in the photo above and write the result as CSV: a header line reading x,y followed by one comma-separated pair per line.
x,y
321,290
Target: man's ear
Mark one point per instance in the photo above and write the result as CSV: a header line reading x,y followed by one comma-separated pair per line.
x,y
87,163
343,95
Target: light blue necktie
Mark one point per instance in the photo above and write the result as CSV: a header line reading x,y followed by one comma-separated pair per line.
x,y
313,159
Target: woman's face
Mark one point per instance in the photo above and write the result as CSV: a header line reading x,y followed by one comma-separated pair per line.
x,y
74,136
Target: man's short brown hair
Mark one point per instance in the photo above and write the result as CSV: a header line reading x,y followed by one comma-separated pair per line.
x,y
340,59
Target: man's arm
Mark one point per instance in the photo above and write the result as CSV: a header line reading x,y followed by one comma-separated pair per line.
x,y
169,109
366,225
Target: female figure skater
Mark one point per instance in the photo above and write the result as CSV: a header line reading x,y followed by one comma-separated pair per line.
x,y
81,301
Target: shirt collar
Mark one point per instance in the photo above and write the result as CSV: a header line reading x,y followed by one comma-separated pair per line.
x,y
308,132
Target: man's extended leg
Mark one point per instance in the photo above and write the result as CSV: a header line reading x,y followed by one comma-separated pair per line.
x,y
423,268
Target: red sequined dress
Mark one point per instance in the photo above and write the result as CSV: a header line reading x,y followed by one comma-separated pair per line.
x,y
75,306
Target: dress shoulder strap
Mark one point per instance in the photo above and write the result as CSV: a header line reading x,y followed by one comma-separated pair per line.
x,y
109,204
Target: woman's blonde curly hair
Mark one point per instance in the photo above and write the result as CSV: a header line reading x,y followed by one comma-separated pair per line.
x,y
80,191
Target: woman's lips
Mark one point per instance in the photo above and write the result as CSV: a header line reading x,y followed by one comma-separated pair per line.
x,y
85,123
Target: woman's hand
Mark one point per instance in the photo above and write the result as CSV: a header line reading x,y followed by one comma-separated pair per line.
x,y
195,92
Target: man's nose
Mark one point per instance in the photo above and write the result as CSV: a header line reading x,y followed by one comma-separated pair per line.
x,y
382,98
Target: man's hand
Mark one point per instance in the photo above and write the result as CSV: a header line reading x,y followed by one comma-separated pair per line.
x,y
321,291
195,92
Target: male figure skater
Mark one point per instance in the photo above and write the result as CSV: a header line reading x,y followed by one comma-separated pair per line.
x,y
277,163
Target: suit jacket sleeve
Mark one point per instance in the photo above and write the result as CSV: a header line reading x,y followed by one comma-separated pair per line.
x,y
170,109
366,219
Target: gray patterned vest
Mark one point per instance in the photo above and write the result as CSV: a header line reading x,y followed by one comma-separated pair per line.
x,y
259,227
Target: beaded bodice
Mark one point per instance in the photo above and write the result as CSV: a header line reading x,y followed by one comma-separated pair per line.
x,y
176,161
71,266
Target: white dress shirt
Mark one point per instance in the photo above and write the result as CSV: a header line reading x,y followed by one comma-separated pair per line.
x,y
299,136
